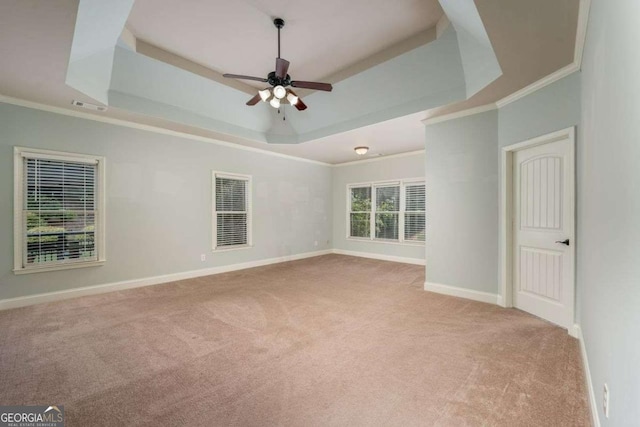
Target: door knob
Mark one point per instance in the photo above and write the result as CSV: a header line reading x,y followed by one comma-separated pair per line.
x,y
564,242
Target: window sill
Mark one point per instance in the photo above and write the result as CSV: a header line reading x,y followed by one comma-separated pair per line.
x,y
231,248
68,266
388,242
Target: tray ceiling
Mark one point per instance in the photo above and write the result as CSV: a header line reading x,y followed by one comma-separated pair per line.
x,y
319,37
530,39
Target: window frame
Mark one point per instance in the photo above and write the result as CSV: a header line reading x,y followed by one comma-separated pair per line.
x,y
248,205
350,211
375,211
401,183
21,153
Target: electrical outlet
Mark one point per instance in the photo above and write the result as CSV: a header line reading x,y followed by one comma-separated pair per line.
x,y
315,243
203,257
605,400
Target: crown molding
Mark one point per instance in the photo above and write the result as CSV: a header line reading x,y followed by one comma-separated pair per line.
x,y
536,86
159,54
581,34
575,65
397,49
528,90
459,114
377,159
581,31
413,42
125,123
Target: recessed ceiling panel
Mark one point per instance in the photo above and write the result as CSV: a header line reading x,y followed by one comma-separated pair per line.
x,y
319,37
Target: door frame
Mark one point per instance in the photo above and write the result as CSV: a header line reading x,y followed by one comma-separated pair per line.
x,y
507,213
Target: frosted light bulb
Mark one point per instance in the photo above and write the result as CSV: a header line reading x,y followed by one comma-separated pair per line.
x,y
293,100
279,92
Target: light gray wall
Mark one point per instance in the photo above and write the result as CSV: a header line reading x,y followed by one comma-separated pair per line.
x,y
609,203
462,202
158,189
552,108
379,170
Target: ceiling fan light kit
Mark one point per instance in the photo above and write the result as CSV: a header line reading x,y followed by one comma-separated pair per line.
x,y
280,81
293,100
279,92
265,94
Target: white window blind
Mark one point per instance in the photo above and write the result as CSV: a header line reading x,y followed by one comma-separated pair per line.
x,y
360,212
393,211
387,212
231,210
59,210
414,216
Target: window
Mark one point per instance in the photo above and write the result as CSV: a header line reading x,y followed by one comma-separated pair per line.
x,y
360,214
414,212
59,210
387,211
232,213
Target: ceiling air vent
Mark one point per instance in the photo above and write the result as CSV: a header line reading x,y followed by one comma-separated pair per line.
x,y
88,106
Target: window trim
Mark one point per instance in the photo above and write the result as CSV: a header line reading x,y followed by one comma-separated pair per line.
x,y
386,183
214,216
19,154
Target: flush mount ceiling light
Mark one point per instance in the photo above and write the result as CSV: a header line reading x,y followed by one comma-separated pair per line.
x,y
280,81
361,151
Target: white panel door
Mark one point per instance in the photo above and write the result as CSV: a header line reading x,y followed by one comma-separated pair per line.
x,y
543,255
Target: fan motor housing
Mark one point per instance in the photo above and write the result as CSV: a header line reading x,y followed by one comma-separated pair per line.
x,y
275,81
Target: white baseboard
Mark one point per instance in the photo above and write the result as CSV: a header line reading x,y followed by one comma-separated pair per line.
x,y
461,292
381,257
587,373
574,331
147,281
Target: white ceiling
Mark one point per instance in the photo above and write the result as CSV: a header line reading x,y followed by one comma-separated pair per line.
x,y
390,137
319,37
531,40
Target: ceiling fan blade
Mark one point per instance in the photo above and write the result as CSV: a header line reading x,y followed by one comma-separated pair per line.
x,y
301,106
312,85
240,76
282,66
254,100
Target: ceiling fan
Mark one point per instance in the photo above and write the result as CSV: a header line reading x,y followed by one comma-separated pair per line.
x,y
280,81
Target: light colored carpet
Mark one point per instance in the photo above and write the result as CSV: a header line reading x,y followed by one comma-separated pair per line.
x,y
332,340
